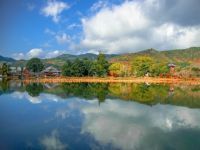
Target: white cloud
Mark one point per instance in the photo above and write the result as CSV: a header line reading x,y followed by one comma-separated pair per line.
x,y
38,52
52,142
54,9
54,54
99,5
35,52
137,25
175,36
63,38
18,56
73,25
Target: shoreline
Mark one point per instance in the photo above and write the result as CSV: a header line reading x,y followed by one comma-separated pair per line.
x,y
192,81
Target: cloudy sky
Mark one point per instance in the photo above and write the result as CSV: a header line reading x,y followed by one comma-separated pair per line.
x,y
48,28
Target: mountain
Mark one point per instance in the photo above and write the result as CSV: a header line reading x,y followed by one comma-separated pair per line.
x,y
6,59
188,54
60,60
191,55
82,56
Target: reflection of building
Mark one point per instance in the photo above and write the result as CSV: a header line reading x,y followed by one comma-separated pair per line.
x,y
171,68
51,71
171,90
50,85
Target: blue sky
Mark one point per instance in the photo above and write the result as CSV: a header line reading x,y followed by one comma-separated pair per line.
x,y
48,28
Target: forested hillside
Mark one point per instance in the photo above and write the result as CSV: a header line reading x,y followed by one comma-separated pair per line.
x,y
179,55
151,61
187,62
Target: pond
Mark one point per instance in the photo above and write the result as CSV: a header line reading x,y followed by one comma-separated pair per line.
x,y
99,116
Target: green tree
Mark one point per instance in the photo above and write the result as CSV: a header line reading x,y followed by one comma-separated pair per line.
x,y
77,68
5,69
101,65
87,67
117,69
196,71
35,65
159,68
142,65
93,69
67,68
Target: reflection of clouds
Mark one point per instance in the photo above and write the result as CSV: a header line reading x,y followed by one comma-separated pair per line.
x,y
52,142
25,95
50,97
36,100
126,124
73,104
63,113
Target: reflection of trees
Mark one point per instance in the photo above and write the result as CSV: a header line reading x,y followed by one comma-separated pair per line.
x,y
196,88
185,96
34,89
152,94
149,94
139,92
4,84
86,90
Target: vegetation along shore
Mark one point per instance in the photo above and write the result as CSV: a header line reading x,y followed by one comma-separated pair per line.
x,y
145,66
148,80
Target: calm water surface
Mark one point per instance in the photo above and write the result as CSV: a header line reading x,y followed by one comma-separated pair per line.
x,y
99,116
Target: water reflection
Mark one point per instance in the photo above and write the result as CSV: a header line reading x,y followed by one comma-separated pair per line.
x,y
4,84
99,116
181,95
34,89
135,126
52,141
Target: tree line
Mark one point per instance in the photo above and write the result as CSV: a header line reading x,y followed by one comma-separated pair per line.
x,y
86,67
4,70
138,66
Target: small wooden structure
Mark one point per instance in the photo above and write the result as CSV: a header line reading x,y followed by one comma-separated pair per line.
x,y
51,71
26,73
171,68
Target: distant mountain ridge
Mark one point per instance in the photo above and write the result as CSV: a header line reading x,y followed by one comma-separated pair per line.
x,y
178,55
6,59
60,60
81,56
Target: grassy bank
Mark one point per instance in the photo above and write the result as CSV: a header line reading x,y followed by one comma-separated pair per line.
x,y
193,81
